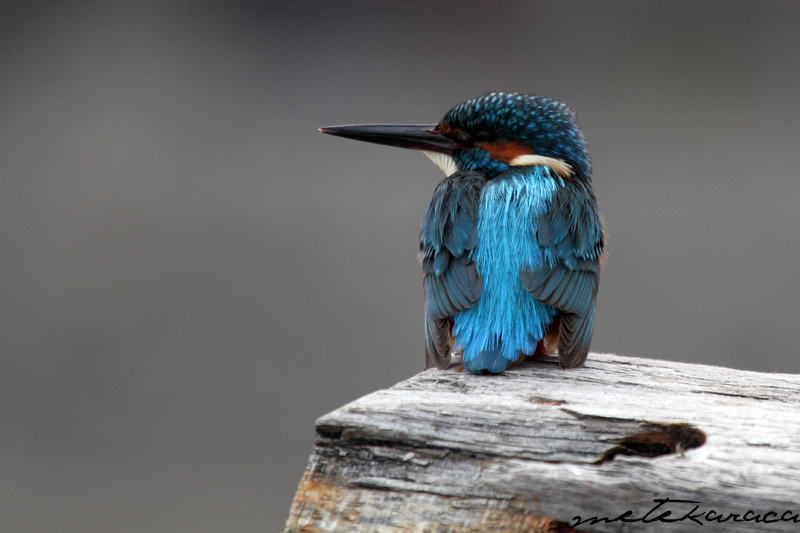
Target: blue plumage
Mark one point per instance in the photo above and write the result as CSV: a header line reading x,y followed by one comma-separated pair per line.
x,y
512,240
507,321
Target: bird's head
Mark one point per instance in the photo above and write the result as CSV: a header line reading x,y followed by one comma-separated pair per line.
x,y
491,134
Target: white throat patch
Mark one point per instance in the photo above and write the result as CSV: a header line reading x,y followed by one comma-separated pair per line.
x,y
443,161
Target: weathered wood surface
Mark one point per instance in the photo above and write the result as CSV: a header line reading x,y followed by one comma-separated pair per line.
x,y
537,446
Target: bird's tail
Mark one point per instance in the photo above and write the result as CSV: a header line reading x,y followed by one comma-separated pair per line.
x,y
487,361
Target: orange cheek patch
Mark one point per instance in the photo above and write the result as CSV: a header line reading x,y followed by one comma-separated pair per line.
x,y
505,152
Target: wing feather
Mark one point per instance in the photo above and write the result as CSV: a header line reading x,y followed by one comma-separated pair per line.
x,y
571,231
452,282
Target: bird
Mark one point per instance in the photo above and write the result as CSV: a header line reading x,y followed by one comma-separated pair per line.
x,y
512,239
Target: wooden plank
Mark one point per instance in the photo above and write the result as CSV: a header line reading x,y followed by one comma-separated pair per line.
x,y
536,447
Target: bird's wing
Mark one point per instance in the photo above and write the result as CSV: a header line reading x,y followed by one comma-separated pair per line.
x,y
452,282
571,231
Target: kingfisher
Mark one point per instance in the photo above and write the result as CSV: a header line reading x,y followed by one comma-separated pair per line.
x,y
512,239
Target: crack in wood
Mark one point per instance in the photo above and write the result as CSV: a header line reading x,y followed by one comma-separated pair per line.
x,y
734,395
546,401
600,418
655,440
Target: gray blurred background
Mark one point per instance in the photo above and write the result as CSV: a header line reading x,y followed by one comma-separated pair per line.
x,y
191,274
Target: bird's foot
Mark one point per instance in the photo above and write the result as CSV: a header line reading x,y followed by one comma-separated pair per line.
x,y
457,361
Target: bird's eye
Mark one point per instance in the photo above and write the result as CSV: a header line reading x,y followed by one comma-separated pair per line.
x,y
482,136
463,137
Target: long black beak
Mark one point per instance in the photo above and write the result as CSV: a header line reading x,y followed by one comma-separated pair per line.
x,y
404,136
